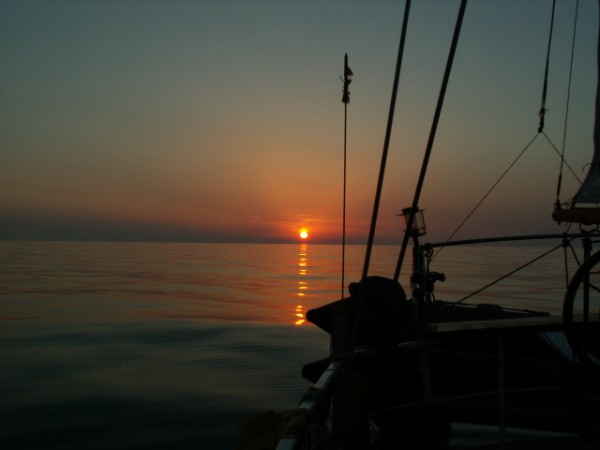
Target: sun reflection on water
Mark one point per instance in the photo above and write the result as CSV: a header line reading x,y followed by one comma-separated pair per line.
x,y
302,283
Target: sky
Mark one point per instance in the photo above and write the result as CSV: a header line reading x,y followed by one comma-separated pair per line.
x,y
181,120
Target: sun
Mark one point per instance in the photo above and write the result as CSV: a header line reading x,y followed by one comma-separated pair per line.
x,y
303,233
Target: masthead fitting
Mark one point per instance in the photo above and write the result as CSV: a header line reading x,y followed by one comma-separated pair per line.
x,y
347,80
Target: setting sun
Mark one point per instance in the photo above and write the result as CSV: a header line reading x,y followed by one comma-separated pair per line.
x,y
303,233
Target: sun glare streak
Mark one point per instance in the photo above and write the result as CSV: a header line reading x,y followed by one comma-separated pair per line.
x,y
302,283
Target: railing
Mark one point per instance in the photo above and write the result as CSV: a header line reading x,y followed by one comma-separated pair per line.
x,y
314,406
316,397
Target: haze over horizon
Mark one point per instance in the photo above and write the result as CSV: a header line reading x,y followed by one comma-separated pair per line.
x,y
223,122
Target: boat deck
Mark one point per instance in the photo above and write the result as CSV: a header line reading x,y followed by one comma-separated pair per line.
x,y
534,323
543,323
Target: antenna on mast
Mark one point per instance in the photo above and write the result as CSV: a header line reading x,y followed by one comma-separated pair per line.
x,y
345,100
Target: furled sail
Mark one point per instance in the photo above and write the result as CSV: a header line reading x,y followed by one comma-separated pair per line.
x,y
590,189
585,206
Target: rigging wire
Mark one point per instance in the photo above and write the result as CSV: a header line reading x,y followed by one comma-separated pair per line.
x,y
386,143
542,112
457,229
561,156
560,173
504,174
512,272
541,115
362,294
432,133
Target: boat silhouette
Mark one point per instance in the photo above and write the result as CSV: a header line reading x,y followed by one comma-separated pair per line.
x,y
404,365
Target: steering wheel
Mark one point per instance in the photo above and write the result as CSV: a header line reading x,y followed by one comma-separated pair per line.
x,y
581,311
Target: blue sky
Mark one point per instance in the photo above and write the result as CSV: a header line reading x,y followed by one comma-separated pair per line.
x,y
210,120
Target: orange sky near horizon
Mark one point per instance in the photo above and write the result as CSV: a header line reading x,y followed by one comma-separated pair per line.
x,y
223,121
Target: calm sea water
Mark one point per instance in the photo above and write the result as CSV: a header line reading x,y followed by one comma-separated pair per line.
x,y
134,345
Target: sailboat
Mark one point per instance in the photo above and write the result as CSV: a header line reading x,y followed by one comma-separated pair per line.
x,y
405,365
